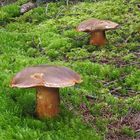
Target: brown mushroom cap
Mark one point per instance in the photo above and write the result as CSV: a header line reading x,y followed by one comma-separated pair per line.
x,y
96,24
45,75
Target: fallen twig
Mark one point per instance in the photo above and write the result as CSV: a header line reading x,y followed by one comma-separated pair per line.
x,y
130,64
112,82
115,89
90,97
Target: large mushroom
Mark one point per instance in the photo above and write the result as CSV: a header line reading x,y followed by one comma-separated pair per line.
x,y
46,79
97,30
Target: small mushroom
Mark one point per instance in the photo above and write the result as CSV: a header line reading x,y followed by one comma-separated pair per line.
x,y
97,30
46,79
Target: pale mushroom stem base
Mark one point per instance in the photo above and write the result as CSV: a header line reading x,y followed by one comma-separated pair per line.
x,y
48,101
98,38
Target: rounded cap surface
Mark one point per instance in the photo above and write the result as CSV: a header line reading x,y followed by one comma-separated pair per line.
x,y
45,75
96,24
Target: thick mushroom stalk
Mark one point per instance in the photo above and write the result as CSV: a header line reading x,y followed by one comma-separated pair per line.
x,y
47,102
98,38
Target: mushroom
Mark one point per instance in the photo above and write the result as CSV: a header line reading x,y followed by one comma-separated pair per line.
x,y
46,79
97,30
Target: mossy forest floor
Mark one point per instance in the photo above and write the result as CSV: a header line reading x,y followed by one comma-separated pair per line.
x,y
106,105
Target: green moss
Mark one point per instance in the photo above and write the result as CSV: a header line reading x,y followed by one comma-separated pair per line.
x,y
8,13
128,131
134,80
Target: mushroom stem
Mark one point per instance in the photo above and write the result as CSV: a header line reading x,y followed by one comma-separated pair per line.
x,y
98,38
48,101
